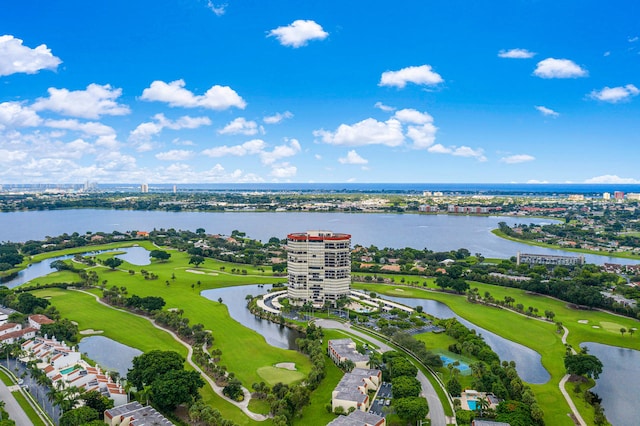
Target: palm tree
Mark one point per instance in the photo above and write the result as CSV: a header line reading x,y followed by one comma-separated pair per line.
x,y
483,404
375,360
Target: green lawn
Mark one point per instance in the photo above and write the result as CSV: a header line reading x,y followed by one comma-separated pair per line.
x,y
28,409
272,375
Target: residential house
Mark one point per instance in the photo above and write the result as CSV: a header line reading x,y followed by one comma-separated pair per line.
x,y
359,418
341,350
134,414
38,320
353,389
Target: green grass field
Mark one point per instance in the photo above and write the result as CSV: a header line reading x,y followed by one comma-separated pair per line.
x,y
273,375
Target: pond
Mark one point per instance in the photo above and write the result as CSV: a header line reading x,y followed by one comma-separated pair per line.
x,y
620,376
109,354
528,362
234,299
134,255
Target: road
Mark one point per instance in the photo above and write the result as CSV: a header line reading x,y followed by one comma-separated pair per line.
x,y
16,413
436,411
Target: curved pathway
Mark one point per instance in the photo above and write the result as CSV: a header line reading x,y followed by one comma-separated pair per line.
x,y
436,411
243,405
576,413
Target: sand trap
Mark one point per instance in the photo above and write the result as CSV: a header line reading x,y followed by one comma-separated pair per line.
x,y
74,323
595,326
398,289
193,271
287,365
90,331
583,321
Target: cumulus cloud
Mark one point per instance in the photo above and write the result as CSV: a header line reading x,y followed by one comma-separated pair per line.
x,y
518,158
284,171
611,179
174,93
516,54
352,158
413,116
93,102
15,114
10,156
615,94
218,10
281,151
175,155
17,58
298,33
90,128
254,146
277,117
421,75
559,68
366,132
145,131
384,107
548,112
240,126
422,136
462,151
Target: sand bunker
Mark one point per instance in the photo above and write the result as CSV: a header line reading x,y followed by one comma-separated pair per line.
x,y
595,326
398,289
287,365
583,321
90,331
193,271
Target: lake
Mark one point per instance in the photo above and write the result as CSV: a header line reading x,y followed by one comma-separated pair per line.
x,y
235,300
620,376
435,232
528,362
134,255
109,354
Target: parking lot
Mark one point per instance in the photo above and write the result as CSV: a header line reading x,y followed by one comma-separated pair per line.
x,y
385,390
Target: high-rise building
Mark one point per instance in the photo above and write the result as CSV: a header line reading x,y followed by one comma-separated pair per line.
x,y
606,196
618,195
319,266
144,188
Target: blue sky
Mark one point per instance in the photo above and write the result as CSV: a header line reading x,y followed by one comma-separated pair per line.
x,y
199,91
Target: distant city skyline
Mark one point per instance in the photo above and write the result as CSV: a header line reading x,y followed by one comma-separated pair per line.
x,y
201,91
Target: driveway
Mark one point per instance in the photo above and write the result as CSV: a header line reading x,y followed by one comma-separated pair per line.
x,y
16,412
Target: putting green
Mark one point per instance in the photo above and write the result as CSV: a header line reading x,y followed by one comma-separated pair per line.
x,y
273,375
613,327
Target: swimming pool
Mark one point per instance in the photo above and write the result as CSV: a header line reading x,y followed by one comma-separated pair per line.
x,y
68,369
472,404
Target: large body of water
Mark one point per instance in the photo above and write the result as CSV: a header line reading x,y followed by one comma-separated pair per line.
x,y
620,376
109,354
235,300
435,232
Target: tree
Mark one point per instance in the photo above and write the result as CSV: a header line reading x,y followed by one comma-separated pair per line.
x,y
151,365
113,262
97,401
583,364
405,386
79,416
411,409
196,260
62,329
623,330
174,388
160,255
234,390
453,387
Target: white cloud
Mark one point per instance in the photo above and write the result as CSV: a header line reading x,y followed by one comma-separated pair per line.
x,y
462,151
422,136
145,131
413,116
421,75
284,171
318,157
93,102
352,158
298,33
516,54
219,10
174,93
518,158
559,68
240,126
611,179
90,128
277,117
17,58
607,53
280,151
548,112
615,94
633,39
175,155
7,156
254,146
536,181
366,132
15,114
384,107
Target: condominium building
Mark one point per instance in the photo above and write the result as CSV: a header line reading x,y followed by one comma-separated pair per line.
x,y
319,266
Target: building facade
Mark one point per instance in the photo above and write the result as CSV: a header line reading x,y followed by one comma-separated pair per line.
x,y
319,267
